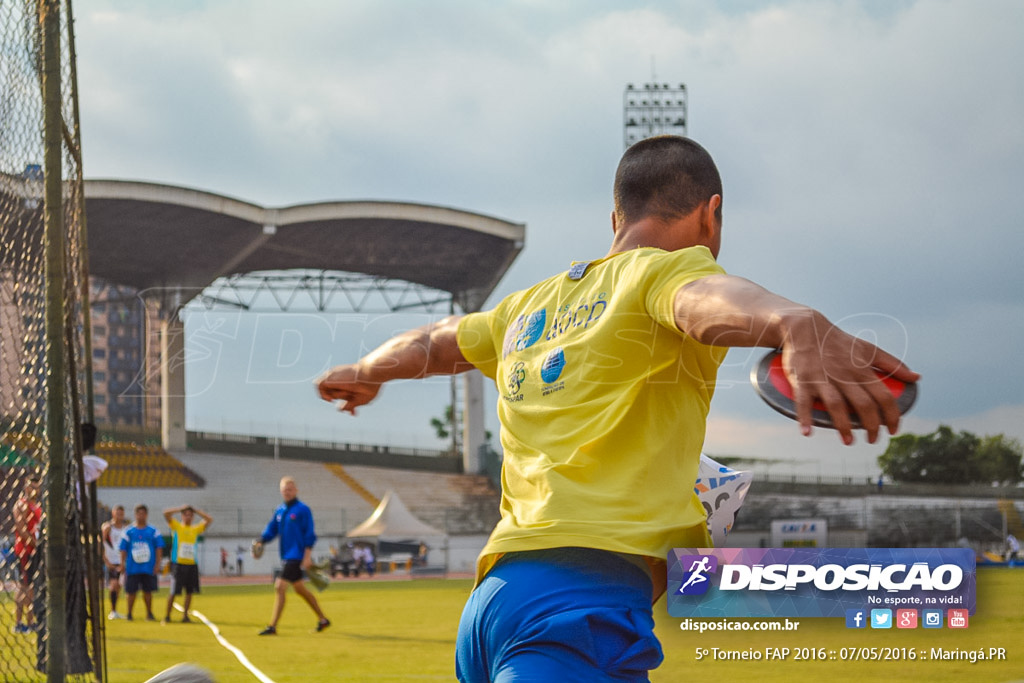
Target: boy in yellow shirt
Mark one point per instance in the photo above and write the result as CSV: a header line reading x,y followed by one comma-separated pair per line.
x,y
185,571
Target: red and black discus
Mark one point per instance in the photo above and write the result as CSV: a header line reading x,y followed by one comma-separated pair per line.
x,y
772,385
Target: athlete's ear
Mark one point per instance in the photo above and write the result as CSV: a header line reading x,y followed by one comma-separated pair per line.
x,y
615,227
711,224
712,217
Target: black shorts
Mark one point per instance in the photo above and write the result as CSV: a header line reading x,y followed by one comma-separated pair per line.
x,y
292,571
112,574
184,577
133,583
31,567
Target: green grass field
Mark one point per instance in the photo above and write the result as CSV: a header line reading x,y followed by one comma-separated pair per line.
x,y
405,631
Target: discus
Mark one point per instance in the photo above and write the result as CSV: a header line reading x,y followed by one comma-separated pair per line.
x,y
772,385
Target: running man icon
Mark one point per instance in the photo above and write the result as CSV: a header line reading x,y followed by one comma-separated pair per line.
x,y
701,566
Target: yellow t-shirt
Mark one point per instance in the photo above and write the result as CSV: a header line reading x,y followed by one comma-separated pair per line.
x,y
183,550
602,403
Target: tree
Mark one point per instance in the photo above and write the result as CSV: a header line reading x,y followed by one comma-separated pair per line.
x,y
999,459
952,458
445,425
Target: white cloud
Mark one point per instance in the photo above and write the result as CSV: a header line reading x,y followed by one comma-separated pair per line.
x,y
872,152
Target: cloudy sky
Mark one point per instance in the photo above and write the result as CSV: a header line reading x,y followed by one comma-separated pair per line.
x,y
872,155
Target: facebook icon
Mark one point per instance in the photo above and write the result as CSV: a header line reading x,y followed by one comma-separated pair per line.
x,y
856,618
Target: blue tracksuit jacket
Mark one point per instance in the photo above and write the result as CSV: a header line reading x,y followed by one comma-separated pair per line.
x,y
293,522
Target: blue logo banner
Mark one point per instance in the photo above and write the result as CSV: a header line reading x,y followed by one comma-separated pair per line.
x,y
818,582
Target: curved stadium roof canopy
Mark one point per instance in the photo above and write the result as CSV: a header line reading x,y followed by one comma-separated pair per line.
x,y
147,235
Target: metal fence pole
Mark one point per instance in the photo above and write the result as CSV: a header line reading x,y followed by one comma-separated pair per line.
x,y
56,512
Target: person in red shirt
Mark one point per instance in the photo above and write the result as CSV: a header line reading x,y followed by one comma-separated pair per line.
x,y
27,515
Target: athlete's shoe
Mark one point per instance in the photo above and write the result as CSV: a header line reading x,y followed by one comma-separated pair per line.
x,y
150,617
322,624
186,620
268,631
22,628
114,614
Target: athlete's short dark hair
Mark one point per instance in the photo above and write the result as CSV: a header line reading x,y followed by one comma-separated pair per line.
x,y
667,176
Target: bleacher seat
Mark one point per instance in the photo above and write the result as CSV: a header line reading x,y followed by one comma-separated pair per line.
x,y
132,466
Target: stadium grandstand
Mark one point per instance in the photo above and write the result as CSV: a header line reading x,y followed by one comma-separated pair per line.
x,y
357,255
132,466
240,492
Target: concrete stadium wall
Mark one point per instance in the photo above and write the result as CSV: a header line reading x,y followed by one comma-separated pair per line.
x,y
875,520
345,454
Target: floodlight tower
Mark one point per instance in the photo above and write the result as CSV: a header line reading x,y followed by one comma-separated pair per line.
x,y
653,109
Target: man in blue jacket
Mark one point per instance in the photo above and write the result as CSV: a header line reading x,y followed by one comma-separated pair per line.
x,y
293,522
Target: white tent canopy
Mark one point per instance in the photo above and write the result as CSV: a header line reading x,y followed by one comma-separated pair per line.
x,y
393,521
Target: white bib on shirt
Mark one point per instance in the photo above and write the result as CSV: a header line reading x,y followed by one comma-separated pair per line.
x,y
186,551
140,552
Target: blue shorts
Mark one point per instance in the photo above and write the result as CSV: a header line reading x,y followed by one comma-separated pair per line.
x,y
567,614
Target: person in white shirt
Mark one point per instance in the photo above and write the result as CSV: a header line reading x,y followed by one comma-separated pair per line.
x,y
111,532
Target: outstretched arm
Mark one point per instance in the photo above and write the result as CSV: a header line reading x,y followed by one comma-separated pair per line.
x,y
821,361
421,352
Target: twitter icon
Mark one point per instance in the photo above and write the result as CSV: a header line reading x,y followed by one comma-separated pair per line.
x,y
881,618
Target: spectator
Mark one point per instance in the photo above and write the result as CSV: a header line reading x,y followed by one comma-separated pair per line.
x,y
1012,547
365,560
141,554
421,555
27,515
111,533
185,571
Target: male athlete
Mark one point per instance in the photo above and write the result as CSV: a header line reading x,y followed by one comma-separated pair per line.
x,y
185,571
293,522
605,375
111,533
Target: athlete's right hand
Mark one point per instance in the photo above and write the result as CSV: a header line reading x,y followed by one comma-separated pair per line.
x,y
824,363
342,383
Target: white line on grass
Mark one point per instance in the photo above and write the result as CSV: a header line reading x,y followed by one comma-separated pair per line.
x,y
239,655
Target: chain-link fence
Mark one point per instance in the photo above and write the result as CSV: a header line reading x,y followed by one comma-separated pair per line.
x,y
48,575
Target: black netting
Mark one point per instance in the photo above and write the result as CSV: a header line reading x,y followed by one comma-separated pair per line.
x,y
47,577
